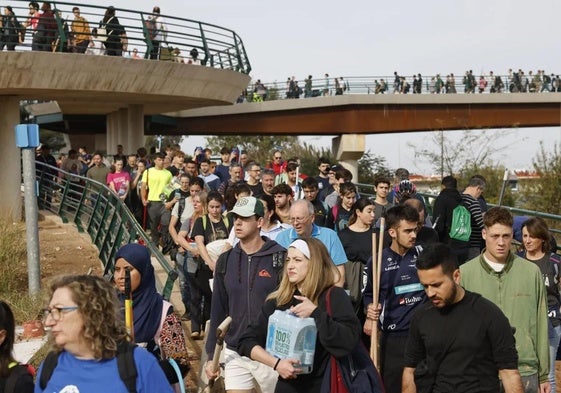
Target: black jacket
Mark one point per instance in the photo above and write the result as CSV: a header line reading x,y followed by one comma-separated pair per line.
x,y
444,204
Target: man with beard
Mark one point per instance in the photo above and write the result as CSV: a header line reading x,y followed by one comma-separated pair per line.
x,y
400,293
466,338
323,175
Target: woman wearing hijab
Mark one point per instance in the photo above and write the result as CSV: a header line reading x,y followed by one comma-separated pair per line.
x,y
156,327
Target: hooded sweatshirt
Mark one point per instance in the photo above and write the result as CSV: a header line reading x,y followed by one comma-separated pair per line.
x,y
241,290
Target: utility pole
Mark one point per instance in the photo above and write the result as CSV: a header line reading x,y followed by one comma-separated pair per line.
x,y
27,138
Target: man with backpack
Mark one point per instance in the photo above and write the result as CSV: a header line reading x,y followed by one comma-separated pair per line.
x,y
243,278
444,206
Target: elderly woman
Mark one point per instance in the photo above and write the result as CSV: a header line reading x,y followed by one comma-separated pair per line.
x,y
156,326
308,274
88,332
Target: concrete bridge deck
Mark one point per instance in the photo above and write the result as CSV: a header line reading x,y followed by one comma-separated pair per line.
x,y
380,113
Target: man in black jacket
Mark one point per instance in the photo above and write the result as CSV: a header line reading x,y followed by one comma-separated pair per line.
x,y
444,206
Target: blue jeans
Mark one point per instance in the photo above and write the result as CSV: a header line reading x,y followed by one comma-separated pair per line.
x,y
554,338
181,268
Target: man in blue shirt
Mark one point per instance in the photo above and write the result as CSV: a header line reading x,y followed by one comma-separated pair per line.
x,y
302,219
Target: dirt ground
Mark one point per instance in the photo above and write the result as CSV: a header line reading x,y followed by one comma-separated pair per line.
x,y
64,250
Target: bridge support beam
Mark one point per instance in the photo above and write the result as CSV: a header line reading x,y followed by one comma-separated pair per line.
x,y
348,149
135,137
125,127
10,203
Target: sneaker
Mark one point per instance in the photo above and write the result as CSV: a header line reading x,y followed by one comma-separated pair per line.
x,y
195,335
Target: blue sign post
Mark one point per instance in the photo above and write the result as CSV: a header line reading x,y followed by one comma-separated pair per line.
x,y
27,138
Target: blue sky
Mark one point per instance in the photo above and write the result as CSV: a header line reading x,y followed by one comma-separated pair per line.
x,y
359,38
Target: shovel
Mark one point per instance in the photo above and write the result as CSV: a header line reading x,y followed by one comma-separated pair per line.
x,y
215,386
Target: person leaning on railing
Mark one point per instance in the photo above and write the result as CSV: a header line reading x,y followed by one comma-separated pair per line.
x,y
81,30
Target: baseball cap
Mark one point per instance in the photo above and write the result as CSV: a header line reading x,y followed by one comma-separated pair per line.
x,y
249,206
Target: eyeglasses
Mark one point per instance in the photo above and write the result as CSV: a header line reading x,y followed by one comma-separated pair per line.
x,y
298,220
57,312
277,157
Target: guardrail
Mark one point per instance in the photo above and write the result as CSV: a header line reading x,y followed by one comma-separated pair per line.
x,y
366,190
373,85
97,210
217,46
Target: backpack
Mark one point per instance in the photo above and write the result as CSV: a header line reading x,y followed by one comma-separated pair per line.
x,y
125,364
18,370
461,224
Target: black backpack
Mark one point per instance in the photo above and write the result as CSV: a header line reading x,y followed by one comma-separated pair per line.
x,y
125,364
17,371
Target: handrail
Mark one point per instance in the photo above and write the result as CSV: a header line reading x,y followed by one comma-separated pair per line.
x,y
279,90
365,190
218,47
97,210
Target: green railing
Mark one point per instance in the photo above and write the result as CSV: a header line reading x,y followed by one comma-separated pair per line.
x,y
364,85
217,46
97,210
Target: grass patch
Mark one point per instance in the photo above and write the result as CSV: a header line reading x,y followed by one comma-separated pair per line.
x,y
13,272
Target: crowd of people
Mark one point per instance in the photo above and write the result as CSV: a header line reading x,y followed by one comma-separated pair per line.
x,y
514,82
42,26
454,293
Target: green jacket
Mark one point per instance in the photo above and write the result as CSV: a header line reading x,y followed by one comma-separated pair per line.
x,y
520,293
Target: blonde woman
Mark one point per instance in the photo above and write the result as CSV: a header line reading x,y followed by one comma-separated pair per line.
x,y
308,274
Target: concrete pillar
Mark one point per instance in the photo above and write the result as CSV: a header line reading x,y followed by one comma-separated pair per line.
x,y
112,132
100,142
136,129
348,149
122,130
10,202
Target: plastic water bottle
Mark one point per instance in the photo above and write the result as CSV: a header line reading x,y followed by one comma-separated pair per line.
x,y
289,336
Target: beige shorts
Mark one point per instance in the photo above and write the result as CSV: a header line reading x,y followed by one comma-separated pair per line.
x,y
242,373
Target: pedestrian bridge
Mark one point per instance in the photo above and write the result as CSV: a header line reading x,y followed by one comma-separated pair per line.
x,y
380,113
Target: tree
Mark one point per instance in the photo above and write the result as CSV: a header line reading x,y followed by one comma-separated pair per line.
x,y
493,175
544,194
259,147
370,167
450,154
166,140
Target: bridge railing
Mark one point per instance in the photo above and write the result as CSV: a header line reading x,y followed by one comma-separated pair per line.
x,y
217,46
373,85
98,211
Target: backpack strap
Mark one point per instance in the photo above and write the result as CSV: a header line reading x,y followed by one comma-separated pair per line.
x,y
17,371
126,365
49,365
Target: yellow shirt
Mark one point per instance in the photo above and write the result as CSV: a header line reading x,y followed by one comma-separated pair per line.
x,y
81,29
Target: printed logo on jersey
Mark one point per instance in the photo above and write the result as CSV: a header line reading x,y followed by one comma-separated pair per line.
x,y
406,301
391,265
401,289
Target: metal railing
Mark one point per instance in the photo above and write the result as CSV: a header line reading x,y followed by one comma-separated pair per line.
x,y
374,85
97,210
366,190
218,47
